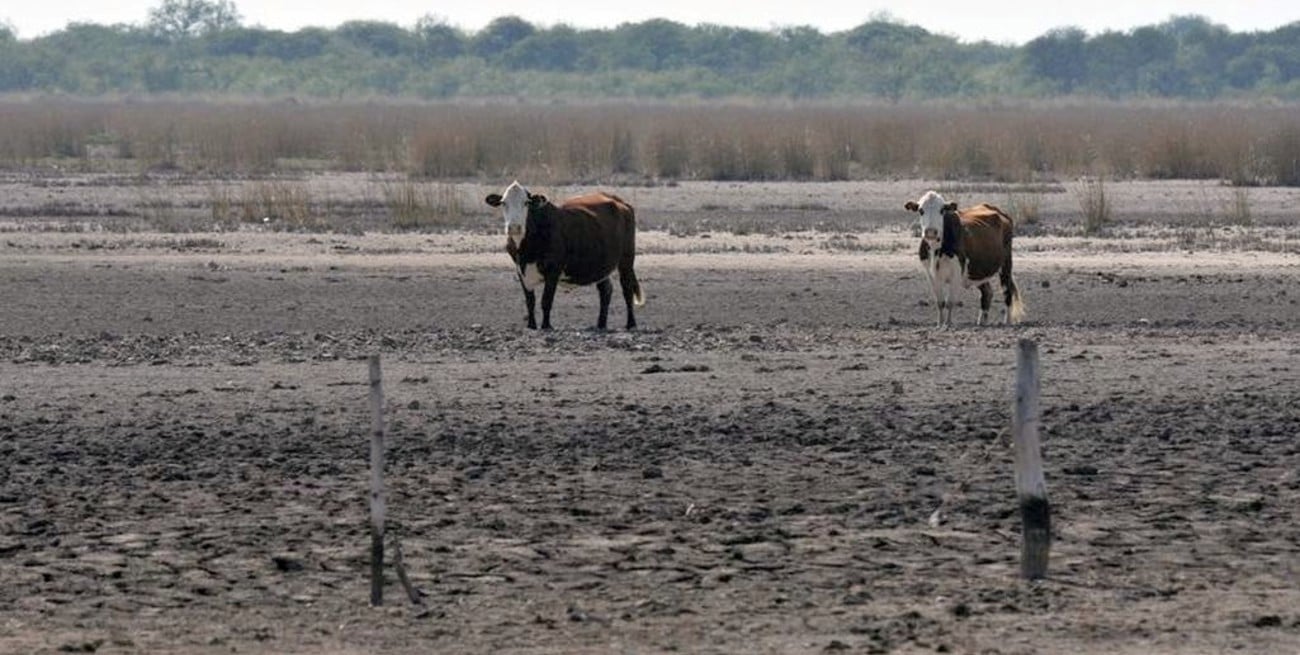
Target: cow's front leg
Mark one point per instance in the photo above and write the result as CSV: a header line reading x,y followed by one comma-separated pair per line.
x,y
940,302
530,299
954,291
939,289
606,290
949,288
548,299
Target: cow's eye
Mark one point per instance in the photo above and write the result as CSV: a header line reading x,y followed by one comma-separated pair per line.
x,y
921,212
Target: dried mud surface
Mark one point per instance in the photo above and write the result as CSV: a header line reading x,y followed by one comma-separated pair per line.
x,y
786,458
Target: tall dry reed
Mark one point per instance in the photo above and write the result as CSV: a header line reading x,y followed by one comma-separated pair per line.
x,y
722,141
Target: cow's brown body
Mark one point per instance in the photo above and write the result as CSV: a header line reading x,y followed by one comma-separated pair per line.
x,y
972,248
583,240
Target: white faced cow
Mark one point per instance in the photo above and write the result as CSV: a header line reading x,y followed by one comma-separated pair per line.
x,y
582,241
967,248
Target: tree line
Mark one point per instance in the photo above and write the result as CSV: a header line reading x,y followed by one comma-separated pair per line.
x,y
203,47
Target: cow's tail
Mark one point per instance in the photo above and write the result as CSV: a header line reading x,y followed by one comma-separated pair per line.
x,y
1016,309
638,298
1015,304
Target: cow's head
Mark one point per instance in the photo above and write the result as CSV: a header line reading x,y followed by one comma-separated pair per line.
x,y
931,207
514,206
539,227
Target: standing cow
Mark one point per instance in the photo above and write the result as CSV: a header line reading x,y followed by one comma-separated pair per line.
x,y
966,248
584,240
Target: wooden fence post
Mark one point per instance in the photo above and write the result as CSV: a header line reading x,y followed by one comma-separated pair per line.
x,y
1031,487
377,508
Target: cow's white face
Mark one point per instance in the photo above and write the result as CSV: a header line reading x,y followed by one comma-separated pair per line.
x,y
931,207
514,207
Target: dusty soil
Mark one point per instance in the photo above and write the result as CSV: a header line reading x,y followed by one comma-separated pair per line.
x,y
786,458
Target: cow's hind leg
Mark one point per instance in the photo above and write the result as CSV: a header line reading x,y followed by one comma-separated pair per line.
x,y
606,290
986,300
631,291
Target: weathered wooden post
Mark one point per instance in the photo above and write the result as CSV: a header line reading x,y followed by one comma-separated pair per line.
x,y
377,508
1031,487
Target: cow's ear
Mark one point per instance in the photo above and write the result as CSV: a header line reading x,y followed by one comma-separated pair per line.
x,y
493,199
536,200
950,207
911,206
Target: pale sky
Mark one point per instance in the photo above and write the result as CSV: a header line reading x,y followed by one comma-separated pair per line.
x,y
1001,21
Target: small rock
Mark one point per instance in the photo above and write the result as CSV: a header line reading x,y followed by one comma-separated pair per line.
x,y
287,563
578,615
1268,621
83,647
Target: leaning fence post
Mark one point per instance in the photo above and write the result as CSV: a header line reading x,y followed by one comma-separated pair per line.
x,y
376,484
1031,487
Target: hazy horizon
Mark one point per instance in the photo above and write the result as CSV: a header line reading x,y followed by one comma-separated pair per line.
x,y
999,21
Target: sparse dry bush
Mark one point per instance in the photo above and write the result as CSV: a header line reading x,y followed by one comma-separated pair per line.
x,y
158,211
1025,207
1091,194
1236,210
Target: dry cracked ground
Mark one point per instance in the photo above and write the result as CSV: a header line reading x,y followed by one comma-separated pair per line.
x,y
785,458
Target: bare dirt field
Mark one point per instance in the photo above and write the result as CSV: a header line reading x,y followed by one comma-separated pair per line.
x,y
785,458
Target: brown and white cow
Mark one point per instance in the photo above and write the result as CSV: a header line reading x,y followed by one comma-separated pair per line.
x,y
583,240
967,248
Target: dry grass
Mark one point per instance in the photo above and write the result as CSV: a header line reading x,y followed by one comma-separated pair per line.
x,y
1237,210
572,143
1025,207
420,206
1096,208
